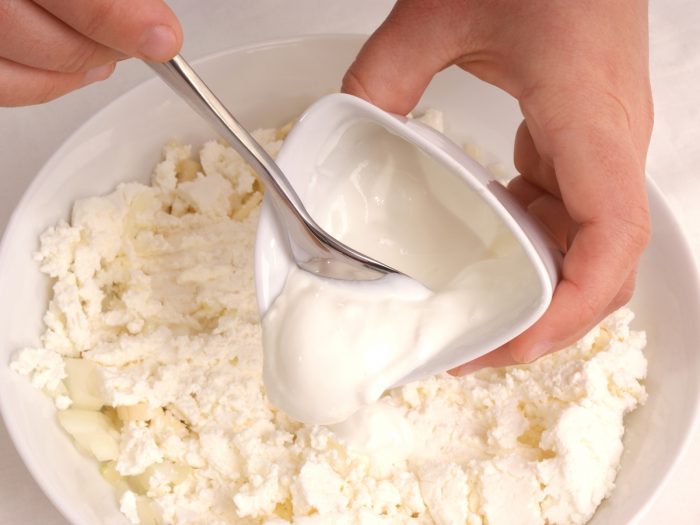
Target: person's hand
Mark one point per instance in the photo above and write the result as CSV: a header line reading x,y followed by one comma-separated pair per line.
x,y
51,47
580,73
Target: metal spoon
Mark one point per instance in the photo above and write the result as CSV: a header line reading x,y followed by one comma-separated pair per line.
x,y
313,249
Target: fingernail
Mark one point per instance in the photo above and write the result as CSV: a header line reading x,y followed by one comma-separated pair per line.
x,y
159,43
98,73
538,350
465,369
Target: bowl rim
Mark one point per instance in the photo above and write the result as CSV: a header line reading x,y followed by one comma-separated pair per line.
x,y
694,426
48,167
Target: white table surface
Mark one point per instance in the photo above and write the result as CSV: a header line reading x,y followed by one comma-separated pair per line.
x,y
28,136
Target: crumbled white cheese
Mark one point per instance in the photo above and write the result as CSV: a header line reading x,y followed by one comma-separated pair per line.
x,y
45,367
63,402
154,285
127,505
433,118
138,449
318,488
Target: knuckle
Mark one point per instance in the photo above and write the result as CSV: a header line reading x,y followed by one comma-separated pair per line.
x,y
625,293
634,230
580,108
100,14
521,357
617,108
521,353
35,91
585,308
623,297
353,85
8,10
80,58
46,92
50,87
8,19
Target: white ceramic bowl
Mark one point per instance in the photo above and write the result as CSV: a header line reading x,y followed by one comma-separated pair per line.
x,y
267,85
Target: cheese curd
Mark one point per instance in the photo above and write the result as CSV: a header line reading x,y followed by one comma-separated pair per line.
x,y
152,351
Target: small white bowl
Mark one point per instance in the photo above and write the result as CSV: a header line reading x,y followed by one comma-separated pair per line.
x,y
123,141
317,131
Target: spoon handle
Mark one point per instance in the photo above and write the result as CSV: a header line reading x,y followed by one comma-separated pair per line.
x,y
313,248
178,74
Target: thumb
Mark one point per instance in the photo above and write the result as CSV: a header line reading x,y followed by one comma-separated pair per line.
x,y
398,61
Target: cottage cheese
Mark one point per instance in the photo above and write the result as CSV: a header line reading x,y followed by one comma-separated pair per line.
x,y
153,291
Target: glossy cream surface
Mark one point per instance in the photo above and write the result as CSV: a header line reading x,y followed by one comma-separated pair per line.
x,y
334,346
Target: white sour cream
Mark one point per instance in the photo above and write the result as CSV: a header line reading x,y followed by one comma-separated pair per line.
x,y
380,431
332,346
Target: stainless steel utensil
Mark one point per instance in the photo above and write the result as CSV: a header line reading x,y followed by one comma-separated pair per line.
x,y
313,249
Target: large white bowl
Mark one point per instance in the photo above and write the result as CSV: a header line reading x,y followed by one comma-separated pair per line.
x,y
266,85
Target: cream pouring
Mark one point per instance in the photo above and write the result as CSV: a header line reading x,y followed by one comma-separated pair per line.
x,y
332,347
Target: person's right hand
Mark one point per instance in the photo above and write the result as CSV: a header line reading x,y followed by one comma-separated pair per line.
x,y
579,71
51,47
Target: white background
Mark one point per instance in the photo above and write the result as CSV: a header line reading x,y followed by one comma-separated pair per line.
x,y
28,136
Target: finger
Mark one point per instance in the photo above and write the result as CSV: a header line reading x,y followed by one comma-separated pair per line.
x,y
624,295
524,191
548,210
398,61
142,28
22,85
552,214
35,38
503,357
495,359
530,163
603,188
